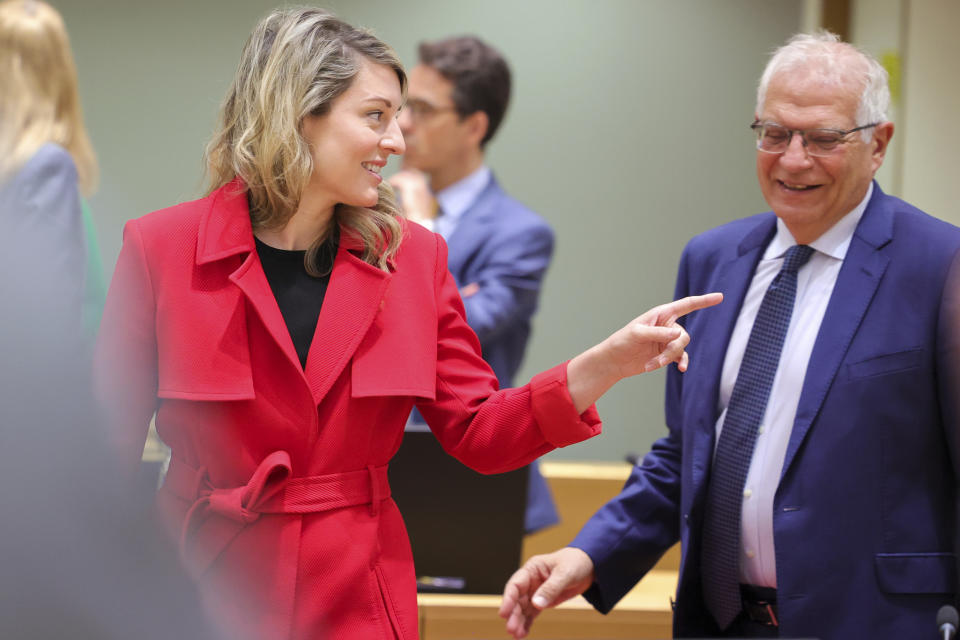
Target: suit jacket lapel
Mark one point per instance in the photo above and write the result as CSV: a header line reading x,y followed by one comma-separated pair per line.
x,y
463,240
863,268
733,279
353,299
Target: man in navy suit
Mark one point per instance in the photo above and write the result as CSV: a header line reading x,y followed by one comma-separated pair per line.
x,y
842,517
499,250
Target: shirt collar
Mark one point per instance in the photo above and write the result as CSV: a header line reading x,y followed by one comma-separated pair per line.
x,y
834,242
460,196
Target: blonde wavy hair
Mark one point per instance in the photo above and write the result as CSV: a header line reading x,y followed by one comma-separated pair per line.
x,y
295,64
39,100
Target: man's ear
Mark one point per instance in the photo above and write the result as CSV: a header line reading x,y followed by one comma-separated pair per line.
x,y
879,143
476,125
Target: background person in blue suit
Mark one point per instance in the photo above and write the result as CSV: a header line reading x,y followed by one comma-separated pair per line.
x,y
499,249
843,514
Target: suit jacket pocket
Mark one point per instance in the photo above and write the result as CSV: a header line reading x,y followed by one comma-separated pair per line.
x,y
916,572
885,364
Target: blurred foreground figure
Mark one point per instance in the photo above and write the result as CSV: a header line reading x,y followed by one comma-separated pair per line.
x,y
48,163
80,559
810,469
283,327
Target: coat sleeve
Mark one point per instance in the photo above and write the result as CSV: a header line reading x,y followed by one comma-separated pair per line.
x,y
509,284
493,431
125,366
629,534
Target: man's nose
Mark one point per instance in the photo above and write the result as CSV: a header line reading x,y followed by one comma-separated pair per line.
x,y
405,120
796,154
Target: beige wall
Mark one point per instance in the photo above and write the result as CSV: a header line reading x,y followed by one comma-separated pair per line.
x,y
923,163
930,126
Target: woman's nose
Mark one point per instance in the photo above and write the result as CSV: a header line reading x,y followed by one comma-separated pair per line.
x,y
392,140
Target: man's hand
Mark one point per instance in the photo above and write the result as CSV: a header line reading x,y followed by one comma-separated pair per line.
x,y
416,199
544,581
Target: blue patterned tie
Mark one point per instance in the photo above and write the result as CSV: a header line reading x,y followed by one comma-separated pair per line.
x,y
720,561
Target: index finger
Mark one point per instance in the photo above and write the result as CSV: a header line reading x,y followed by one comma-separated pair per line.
x,y
683,306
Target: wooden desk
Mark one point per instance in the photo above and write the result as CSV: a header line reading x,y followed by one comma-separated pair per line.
x,y
644,613
579,489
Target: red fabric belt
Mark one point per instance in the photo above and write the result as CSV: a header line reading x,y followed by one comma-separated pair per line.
x,y
217,514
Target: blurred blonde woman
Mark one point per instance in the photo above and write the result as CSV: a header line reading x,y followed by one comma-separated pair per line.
x,y
46,160
283,327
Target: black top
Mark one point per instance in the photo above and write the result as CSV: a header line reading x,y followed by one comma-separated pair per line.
x,y
299,295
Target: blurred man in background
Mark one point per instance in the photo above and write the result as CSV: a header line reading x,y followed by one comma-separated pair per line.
x,y
499,250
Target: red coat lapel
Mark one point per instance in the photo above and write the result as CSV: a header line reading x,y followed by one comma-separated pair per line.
x,y
353,299
225,231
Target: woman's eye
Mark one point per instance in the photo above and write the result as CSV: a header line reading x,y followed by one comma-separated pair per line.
x,y
376,115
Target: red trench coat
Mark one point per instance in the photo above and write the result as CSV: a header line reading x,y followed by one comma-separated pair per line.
x,y
277,490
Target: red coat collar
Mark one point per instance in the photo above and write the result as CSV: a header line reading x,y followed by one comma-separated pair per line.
x,y
225,228
352,301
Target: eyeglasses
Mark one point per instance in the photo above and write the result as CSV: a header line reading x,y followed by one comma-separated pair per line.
x,y
421,110
775,138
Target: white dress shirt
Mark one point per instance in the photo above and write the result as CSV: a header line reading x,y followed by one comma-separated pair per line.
x,y
815,282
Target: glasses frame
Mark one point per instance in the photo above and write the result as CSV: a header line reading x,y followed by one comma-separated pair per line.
x,y
758,126
418,114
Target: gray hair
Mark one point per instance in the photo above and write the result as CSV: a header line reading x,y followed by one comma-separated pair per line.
x,y
838,63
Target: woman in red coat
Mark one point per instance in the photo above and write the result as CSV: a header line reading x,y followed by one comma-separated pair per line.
x,y
282,328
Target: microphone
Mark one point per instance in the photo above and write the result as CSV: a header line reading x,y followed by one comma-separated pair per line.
x,y
947,622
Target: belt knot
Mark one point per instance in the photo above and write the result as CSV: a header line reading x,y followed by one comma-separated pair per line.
x,y
217,514
241,504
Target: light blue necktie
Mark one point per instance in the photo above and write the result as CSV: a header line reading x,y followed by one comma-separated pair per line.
x,y
720,561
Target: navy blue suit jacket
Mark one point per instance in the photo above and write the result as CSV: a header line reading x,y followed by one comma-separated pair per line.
x,y
865,509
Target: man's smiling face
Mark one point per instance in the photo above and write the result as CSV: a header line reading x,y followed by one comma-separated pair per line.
x,y
811,193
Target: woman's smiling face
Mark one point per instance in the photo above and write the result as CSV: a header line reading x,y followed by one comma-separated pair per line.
x,y
352,142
